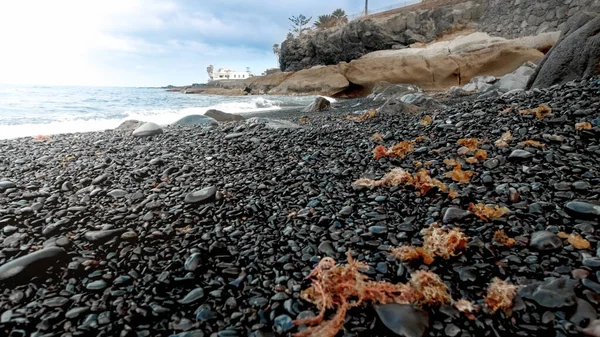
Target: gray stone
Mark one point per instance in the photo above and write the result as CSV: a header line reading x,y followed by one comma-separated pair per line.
x,y
552,293
4,185
274,124
221,116
520,154
545,241
403,319
318,105
585,209
202,196
147,129
130,124
22,269
196,120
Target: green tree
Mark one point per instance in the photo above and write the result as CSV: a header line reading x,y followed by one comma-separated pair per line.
x,y
325,21
299,23
276,49
340,16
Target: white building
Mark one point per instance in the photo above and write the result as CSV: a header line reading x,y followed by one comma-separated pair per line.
x,y
227,74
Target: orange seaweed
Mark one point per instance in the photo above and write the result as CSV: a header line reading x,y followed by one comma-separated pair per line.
x,y
504,139
426,121
377,138
487,213
533,143
471,143
437,242
366,116
503,239
583,126
540,112
458,175
500,295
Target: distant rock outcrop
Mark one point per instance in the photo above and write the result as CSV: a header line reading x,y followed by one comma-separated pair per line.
x,y
326,81
362,36
576,54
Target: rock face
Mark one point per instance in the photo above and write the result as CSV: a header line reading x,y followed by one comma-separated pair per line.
x,y
443,64
148,129
576,54
360,37
221,116
20,270
196,120
319,104
326,81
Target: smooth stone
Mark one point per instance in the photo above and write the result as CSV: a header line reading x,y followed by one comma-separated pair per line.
x,y
96,285
326,248
55,302
583,208
545,241
592,262
193,296
552,293
192,262
491,163
103,236
221,116
196,120
233,135
520,154
5,184
147,129
22,269
75,312
117,193
454,214
403,319
99,179
130,124
283,323
204,195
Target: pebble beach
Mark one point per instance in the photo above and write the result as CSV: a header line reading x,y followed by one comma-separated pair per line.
x,y
212,231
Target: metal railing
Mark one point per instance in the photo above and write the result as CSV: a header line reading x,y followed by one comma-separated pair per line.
x,y
384,9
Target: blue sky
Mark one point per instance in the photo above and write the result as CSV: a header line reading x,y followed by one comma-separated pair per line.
x,y
145,42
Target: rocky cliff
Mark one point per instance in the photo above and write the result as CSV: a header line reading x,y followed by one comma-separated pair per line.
x,y
422,23
427,22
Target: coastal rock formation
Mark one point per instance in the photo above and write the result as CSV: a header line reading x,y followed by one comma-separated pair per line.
x,y
326,81
319,104
441,65
421,23
576,54
221,116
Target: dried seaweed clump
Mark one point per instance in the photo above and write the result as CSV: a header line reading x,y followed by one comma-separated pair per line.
x,y
457,174
426,121
503,239
303,120
500,295
430,290
583,126
487,213
540,112
395,177
504,139
399,150
452,194
578,242
42,138
467,307
377,138
366,116
343,287
471,143
533,143
437,241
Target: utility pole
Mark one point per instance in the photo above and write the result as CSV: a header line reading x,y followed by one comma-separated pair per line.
x,y
366,7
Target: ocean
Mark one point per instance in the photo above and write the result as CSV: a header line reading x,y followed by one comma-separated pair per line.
x,y
47,110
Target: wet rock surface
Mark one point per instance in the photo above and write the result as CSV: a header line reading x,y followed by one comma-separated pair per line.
x,y
123,254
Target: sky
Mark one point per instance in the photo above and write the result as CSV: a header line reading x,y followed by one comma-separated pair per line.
x,y
146,42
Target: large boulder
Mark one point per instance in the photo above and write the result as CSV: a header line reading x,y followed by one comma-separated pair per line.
x,y
441,65
147,129
130,124
326,81
269,123
221,116
196,120
576,54
517,79
262,84
318,105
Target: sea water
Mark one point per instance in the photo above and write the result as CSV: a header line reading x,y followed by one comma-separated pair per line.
x,y
47,110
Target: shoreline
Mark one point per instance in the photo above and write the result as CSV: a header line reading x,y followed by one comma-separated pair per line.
x,y
208,230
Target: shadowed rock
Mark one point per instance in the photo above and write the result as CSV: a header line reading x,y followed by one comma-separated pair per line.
x,y
148,129
196,120
22,269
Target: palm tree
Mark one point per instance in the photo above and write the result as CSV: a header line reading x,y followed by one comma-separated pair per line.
x,y
340,16
325,21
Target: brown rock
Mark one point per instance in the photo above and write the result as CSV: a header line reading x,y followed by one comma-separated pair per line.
x,y
326,81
